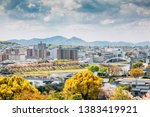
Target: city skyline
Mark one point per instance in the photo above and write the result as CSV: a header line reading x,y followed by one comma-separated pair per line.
x,y
90,20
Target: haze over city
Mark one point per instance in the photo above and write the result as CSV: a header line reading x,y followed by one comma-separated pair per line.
x,y
91,20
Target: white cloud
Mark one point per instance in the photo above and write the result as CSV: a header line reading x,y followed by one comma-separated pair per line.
x,y
1,10
127,9
100,19
59,8
62,4
30,5
23,26
144,11
107,21
132,9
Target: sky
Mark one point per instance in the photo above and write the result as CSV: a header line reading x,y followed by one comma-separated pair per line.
x,y
91,20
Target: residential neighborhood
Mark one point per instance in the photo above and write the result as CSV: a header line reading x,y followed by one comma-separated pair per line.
x,y
46,66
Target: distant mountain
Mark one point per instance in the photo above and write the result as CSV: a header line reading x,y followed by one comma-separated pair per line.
x,y
53,40
60,40
75,41
6,44
147,43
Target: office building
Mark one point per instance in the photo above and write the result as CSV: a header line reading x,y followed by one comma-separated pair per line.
x,y
64,53
38,51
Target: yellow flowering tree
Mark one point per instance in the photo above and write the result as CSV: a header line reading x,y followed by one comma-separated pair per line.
x,y
84,84
27,95
121,94
11,87
136,72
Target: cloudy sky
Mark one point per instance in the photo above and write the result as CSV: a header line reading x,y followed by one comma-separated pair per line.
x,y
103,20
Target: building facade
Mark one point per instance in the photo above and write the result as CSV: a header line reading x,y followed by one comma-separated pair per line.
x,y
64,53
3,56
38,51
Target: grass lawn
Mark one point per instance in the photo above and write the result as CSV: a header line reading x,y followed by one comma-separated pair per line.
x,y
48,72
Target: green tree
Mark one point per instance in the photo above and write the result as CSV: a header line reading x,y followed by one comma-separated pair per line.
x,y
93,68
137,65
103,71
84,83
49,86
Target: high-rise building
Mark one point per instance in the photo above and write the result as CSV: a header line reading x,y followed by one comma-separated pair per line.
x,y
38,51
64,53
12,51
15,54
3,56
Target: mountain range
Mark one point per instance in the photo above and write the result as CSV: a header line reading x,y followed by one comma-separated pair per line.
x,y
60,40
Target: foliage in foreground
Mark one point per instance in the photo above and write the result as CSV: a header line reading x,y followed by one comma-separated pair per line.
x,y
54,95
147,96
16,87
121,94
83,85
115,93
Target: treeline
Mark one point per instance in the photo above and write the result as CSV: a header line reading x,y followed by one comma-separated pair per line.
x,y
82,86
50,66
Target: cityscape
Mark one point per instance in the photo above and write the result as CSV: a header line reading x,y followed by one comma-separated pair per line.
x,y
51,68
74,50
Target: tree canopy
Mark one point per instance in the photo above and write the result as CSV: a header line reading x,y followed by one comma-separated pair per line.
x,y
11,87
137,72
121,94
138,64
93,68
85,84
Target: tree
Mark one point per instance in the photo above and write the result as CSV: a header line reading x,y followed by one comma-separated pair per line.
x,y
6,71
121,94
130,54
77,97
107,91
54,95
114,70
137,65
50,86
93,68
103,71
84,83
27,95
146,96
13,86
136,72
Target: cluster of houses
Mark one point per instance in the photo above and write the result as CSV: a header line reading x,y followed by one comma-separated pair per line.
x,y
121,56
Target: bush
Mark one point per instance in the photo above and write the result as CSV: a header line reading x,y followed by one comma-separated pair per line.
x,y
111,80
